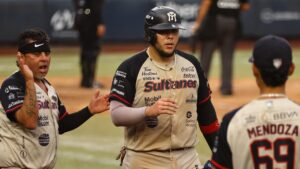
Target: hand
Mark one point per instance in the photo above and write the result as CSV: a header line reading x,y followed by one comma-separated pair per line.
x,y
98,103
162,106
196,27
101,29
24,69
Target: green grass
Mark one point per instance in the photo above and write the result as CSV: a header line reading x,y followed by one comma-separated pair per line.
x,y
67,64
97,142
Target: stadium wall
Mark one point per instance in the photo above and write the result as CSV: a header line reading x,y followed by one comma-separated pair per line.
x,y
124,18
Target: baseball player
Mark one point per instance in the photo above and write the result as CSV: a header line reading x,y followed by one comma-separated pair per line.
x,y
265,132
160,95
32,115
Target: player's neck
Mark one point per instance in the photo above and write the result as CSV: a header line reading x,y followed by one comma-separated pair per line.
x,y
153,54
272,92
42,85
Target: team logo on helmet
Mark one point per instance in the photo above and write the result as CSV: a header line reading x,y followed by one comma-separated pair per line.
x,y
171,16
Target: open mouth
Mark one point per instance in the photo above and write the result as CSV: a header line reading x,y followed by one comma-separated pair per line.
x,y
43,68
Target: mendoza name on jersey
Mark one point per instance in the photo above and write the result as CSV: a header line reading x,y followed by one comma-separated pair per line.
x,y
281,129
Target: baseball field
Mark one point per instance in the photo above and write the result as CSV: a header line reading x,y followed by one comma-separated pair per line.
x,y
97,142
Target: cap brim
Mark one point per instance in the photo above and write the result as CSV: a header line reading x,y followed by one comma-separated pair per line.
x,y
166,26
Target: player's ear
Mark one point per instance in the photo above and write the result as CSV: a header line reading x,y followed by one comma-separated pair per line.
x,y
255,70
291,69
19,56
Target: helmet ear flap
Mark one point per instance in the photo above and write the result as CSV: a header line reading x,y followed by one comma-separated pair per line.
x,y
150,36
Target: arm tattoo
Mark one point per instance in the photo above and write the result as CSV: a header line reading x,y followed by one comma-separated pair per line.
x,y
31,101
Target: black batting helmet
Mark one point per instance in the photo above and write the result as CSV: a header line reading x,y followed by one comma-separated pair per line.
x,y
161,18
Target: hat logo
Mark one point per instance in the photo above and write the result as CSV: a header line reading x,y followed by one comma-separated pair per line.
x,y
171,16
277,63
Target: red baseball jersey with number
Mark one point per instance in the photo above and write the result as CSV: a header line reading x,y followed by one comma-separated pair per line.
x,y
262,134
140,81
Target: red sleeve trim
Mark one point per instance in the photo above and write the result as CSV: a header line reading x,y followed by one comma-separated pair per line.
x,y
62,116
123,100
204,100
218,165
213,127
14,108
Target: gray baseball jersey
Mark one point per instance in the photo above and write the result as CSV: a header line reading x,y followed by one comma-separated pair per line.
x,y
261,134
21,147
140,81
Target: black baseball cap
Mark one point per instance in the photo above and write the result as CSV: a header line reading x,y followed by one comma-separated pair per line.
x,y
272,53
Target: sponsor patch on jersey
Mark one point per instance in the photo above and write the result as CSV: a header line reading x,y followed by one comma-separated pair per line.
x,y
250,119
43,120
118,91
121,74
115,81
151,122
148,74
149,101
11,88
189,122
11,96
14,103
188,114
188,69
44,139
285,115
119,82
191,99
189,75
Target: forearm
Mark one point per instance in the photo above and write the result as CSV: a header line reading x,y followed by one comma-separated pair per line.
x,y
208,122
74,120
27,115
245,6
203,10
126,116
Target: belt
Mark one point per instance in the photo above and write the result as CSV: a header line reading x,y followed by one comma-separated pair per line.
x,y
168,150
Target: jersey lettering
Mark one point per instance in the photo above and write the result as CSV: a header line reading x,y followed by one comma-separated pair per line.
x,y
169,84
282,153
271,129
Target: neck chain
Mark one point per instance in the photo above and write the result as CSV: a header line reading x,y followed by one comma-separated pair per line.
x,y
161,66
272,95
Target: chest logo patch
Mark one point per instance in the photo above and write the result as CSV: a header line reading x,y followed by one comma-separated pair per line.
x,y
44,139
152,122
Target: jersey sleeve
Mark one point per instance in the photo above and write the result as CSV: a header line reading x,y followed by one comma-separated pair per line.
x,y
62,109
123,85
207,117
12,95
222,156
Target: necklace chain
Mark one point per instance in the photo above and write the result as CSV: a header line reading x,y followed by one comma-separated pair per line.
x,y
167,68
272,95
